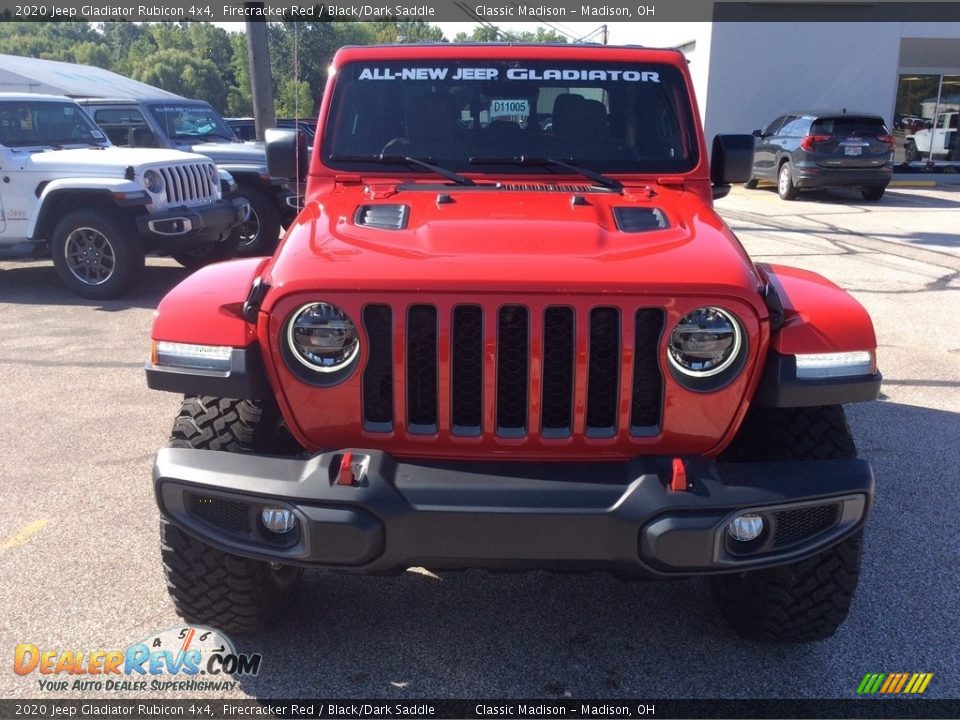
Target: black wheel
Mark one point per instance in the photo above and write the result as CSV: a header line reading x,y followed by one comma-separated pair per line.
x,y
259,232
751,184
97,256
873,194
207,585
207,253
910,152
785,186
806,600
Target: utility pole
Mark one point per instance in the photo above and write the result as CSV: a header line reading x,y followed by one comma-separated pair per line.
x,y
261,84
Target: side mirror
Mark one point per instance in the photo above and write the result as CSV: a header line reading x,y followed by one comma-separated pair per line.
x,y
731,160
287,157
758,133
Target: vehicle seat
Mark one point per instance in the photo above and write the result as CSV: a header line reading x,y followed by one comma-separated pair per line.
x,y
141,137
432,128
583,129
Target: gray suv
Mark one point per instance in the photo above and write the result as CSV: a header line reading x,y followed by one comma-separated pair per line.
x,y
808,151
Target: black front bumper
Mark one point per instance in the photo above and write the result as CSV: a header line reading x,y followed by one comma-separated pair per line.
x,y
620,516
178,228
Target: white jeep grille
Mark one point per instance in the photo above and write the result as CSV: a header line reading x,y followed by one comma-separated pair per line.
x,y
191,183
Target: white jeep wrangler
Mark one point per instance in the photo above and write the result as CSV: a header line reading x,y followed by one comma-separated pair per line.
x,y
96,209
936,143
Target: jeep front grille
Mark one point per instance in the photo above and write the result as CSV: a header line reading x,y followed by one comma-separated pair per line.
x,y
191,183
512,371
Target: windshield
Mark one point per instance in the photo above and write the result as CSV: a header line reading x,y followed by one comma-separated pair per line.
x,y
25,124
193,122
608,117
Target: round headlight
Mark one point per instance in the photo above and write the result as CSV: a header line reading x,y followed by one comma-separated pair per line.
x,y
153,181
705,342
323,337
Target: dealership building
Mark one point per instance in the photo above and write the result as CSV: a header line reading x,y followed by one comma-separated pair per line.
x,y
747,73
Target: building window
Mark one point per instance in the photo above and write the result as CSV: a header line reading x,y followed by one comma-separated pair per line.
x,y
925,118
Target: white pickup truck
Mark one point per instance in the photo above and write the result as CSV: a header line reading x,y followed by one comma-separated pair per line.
x,y
67,193
942,138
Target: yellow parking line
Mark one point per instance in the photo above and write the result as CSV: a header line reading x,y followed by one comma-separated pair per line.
x,y
23,535
913,183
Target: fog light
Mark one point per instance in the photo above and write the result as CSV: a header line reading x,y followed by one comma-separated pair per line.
x,y
278,520
746,527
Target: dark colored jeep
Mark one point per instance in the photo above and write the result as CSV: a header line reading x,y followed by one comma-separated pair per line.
x,y
508,330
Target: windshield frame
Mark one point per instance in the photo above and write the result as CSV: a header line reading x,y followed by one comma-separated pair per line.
x,y
674,98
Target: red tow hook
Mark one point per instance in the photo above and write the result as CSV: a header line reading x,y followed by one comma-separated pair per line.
x,y
678,483
345,476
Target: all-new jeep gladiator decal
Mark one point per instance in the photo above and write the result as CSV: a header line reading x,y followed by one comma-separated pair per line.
x,y
508,330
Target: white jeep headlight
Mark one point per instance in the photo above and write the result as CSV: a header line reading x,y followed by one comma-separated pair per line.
x,y
153,181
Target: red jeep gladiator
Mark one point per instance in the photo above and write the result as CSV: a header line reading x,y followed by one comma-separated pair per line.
x,y
509,331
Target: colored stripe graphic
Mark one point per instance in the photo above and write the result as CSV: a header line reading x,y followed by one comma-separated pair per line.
x,y
894,683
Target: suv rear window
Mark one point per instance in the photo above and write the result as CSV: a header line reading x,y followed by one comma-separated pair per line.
x,y
849,126
610,117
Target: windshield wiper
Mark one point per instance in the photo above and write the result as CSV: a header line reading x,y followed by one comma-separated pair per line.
x,y
523,160
403,160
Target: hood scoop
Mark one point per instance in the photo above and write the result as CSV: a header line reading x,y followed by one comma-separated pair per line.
x,y
639,219
386,217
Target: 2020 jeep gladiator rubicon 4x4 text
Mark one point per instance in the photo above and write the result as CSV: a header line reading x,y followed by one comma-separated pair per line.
x,y
97,209
508,330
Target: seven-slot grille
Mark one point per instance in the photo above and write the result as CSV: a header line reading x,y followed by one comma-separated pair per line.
x,y
190,183
515,367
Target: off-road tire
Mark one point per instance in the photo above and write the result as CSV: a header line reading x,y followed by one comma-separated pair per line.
x,y
872,194
910,151
260,232
751,184
209,586
197,257
806,600
228,592
804,433
116,250
786,188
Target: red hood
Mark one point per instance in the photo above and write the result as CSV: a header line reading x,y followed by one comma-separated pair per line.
x,y
504,240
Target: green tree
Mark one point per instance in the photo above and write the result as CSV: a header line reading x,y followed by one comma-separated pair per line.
x,y
180,72
406,32
239,98
491,33
90,53
294,99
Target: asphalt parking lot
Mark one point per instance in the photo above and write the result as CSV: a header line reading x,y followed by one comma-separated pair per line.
x,y
79,557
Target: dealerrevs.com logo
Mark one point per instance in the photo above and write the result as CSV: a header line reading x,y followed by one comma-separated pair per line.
x,y
894,683
187,658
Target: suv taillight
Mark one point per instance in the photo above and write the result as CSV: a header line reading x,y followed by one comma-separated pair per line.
x,y
888,139
808,142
